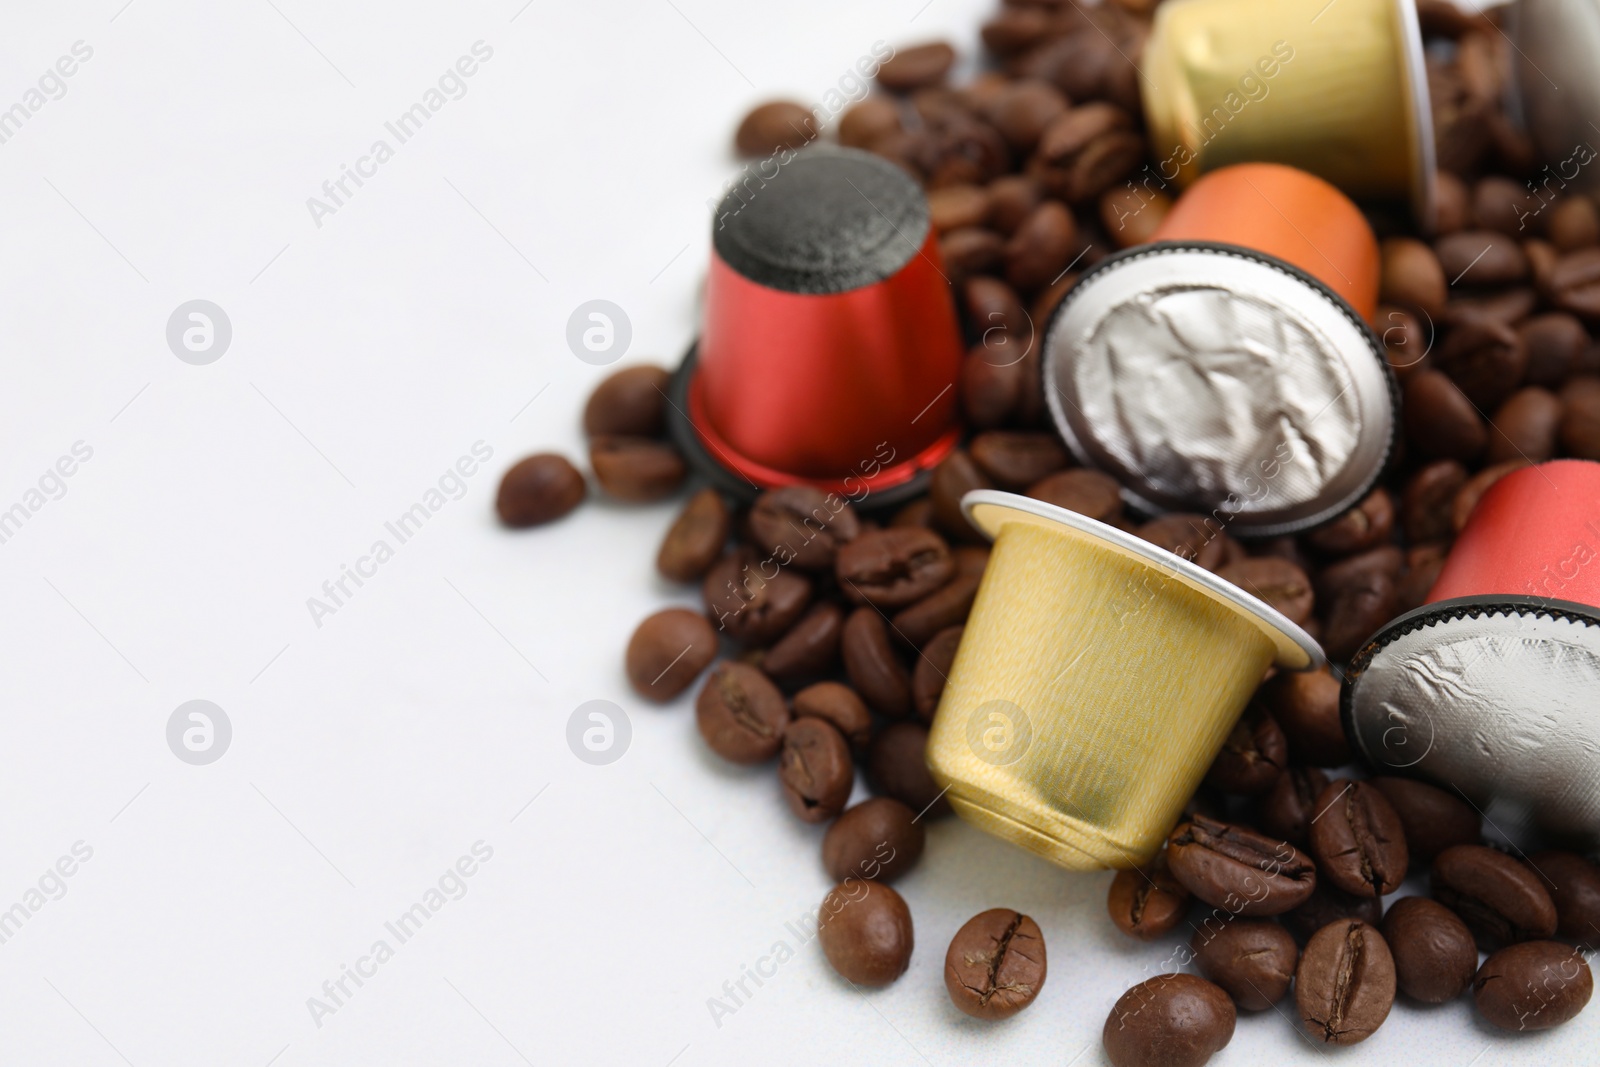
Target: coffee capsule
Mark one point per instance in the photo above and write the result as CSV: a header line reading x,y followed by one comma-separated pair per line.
x,y
1239,379
1492,687
1558,87
831,346
1096,680
1338,89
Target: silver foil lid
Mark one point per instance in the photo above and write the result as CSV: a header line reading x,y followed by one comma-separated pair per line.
x,y
1213,379
1498,701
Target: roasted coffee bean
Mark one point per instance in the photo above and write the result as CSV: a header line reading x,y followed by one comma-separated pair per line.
x,y
1253,756
696,537
879,840
751,598
1087,492
636,470
1306,707
893,568
1086,151
945,607
955,477
1433,819
668,651
1573,223
1406,344
1452,198
932,670
1364,526
1014,460
995,965
1481,258
1580,418
775,125
1500,898
1425,505
1423,564
1555,342
991,387
1360,596
1525,427
810,648
1574,284
1344,986
1237,868
864,123
1411,276
1496,307
913,68
996,314
803,526
1440,422
1502,205
1147,902
872,664
1011,200
1194,537
1327,904
1485,359
1016,29
1174,1020
1434,954
630,403
971,250
1289,806
1473,488
1253,960
741,714
972,559
1023,109
1574,885
1533,986
815,770
917,513
539,489
1131,216
1276,581
839,705
865,931
1042,246
897,767
1542,259
1357,840
956,206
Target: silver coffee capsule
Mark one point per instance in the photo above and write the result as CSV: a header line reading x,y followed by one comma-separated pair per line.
x,y
1558,88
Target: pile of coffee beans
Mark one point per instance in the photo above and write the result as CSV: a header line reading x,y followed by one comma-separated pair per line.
x,y
837,622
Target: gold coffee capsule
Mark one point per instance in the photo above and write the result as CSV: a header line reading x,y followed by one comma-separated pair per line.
x,y
1097,679
1337,89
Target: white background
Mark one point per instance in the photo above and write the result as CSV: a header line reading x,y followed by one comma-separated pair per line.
x,y
371,752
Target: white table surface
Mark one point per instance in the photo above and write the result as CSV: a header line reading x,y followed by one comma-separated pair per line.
x,y
371,752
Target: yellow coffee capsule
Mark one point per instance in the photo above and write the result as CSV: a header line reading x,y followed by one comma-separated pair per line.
x,y
1096,680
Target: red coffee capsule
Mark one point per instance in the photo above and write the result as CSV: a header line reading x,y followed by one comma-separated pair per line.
x,y
1492,688
831,346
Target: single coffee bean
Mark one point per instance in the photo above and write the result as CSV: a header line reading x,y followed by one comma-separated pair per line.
x,y
872,664
1452,198
1502,205
539,489
972,559
1306,707
1411,276
1485,359
775,125
1473,488
1357,840
1012,199
1574,284
956,206
995,965
815,770
696,537
810,648
898,768
1406,343
1023,109
1174,1020
1434,954
1016,29
839,705
668,651
1191,536
917,513
1440,422
1238,868
1087,492
932,670
944,607
1580,418
1042,246
1555,342
997,316
1147,902
1574,885
1289,806
1573,223
893,568
991,386
1364,526
803,525
971,250
1015,460
751,598
1277,581
1253,960
879,839
1497,308
1525,427
913,68
868,121
1327,904
741,714
632,402
1533,986
1253,756
1481,258
865,931
1499,898
1344,986
1360,596
1131,216
1432,818
636,470
1425,509
1423,564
